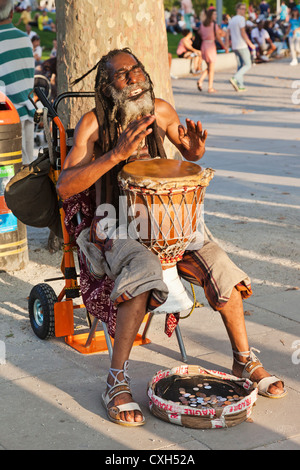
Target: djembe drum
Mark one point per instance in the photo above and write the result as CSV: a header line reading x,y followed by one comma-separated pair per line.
x,y
164,199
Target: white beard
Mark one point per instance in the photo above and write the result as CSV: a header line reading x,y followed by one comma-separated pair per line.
x,y
137,108
131,109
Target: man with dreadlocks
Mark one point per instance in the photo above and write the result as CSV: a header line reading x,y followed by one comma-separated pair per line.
x,y
129,121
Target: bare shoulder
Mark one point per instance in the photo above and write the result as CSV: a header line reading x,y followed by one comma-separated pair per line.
x,y
165,113
163,107
87,128
85,136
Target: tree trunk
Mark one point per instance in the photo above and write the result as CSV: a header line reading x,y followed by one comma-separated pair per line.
x,y
88,29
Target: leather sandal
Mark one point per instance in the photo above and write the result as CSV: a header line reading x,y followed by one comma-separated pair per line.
x,y
120,386
253,364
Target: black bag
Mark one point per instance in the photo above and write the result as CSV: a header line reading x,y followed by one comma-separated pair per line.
x,y
197,41
32,197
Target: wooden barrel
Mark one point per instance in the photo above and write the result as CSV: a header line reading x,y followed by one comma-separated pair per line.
x,y
13,234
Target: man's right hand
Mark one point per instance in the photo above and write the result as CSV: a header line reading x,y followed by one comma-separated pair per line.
x,y
131,137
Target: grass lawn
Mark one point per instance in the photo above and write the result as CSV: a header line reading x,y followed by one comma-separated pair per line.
x,y
46,36
173,41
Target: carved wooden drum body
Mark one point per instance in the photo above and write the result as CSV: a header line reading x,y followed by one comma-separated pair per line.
x,y
164,200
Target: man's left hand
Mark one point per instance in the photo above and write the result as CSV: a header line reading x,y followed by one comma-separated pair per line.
x,y
192,139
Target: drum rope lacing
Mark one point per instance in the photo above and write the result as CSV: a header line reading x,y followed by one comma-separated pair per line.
x,y
168,252
179,249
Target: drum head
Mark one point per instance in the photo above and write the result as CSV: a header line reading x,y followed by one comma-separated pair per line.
x,y
159,173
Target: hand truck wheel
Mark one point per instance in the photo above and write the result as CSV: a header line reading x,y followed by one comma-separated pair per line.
x,y
41,310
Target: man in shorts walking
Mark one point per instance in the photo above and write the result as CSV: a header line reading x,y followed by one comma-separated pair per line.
x,y
240,44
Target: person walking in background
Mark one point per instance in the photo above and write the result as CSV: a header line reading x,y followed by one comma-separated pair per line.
x,y
188,11
283,12
209,32
17,74
294,35
240,44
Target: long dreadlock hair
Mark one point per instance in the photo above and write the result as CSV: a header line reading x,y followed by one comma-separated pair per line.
x,y
108,126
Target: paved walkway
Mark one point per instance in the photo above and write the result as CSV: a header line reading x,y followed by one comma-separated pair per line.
x,y
50,394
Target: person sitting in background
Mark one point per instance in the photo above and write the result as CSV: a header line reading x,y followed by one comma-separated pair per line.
x,y
29,31
25,17
276,36
291,6
261,38
48,69
37,50
172,23
225,21
45,23
252,12
185,50
196,23
53,52
181,22
224,27
22,5
46,8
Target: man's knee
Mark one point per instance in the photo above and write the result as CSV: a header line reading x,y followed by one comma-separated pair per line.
x,y
217,256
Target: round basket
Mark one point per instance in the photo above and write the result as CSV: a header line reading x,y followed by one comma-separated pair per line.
x,y
195,397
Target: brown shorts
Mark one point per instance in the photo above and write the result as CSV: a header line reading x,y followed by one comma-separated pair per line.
x,y
135,270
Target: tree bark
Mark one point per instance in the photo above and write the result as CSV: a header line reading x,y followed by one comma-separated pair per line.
x,y
88,29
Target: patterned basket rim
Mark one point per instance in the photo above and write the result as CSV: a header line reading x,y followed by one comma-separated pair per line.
x,y
191,370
